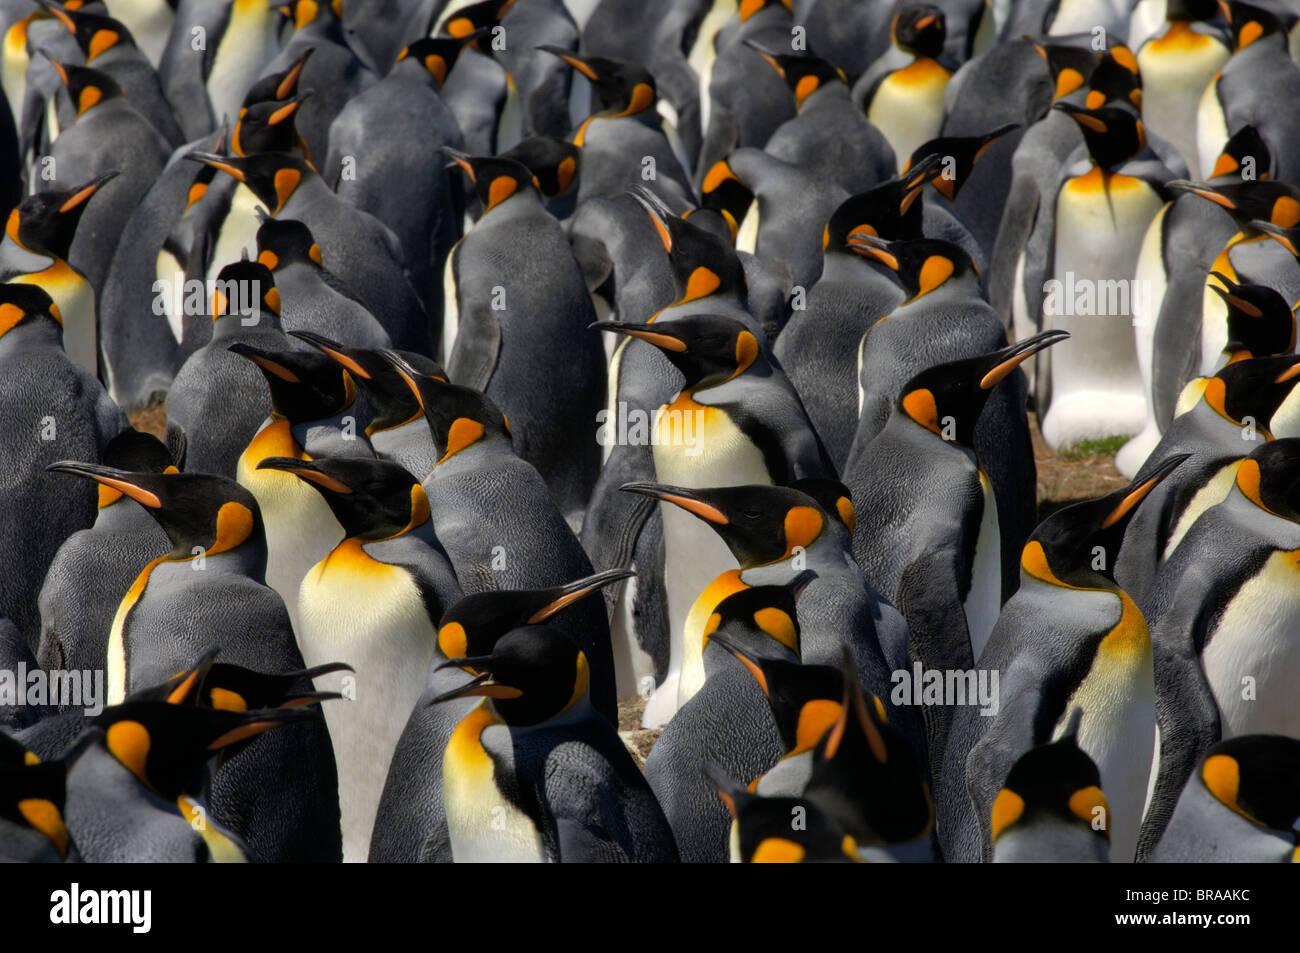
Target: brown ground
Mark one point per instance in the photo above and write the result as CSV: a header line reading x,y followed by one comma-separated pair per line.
x,y
151,420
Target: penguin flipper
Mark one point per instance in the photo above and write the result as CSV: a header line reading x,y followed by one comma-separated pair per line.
x,y
474,355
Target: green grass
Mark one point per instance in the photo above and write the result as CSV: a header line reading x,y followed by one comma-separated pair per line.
x,y
1101,447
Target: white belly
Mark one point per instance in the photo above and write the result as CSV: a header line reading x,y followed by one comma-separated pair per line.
x,y
908,114
1211,129
238,234
1146,311
1172,84
239,58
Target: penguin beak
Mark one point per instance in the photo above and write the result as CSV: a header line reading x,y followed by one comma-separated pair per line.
x,y
462,159
264,361
189,681
308,471
566,596
746,657
573,62
686,499
1283,236
290,81
644,332
852,703
119,480
1086,118
1205,191
925,22
658,212
871,246
221,163
335,352
1135,493
482,686
61,15
1011,358
83,194
289,108
58,67
1229,293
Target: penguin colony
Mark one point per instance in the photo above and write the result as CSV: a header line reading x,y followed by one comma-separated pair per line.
x,y
524,358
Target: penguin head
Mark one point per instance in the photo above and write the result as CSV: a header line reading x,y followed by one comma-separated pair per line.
x,y
702,262
167,746
372,499
268,126
923,265
1115,81
1250,23
287,241
86,87
764,832
495,178
95,33
390,400
747,8
1254,388
920,29
245,291
33,793
472,626
136,452
458,417
1273,202
46,222
229,687
759,524
865,773
1191,10
1055,783
1246,144
553,163
804,74
724,192
709,349
278,87
1112,134
1070,66
759,622
272,176
1270,477
1260,322
305,385
475,17
805,699
1258,777
312,13
201,513
958,155
26,305
1288,238
1077,546
888,210
532,675
624,88
437,54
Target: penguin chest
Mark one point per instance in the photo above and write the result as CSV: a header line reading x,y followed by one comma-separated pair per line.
x,y
1211,127
450,305
1252,658
908,106
76,301
483,824
238,233
1212,493
1118,731
115,673
248,42
983,601
1175,70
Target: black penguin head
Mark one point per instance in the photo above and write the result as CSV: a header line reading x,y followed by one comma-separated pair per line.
x,y
1250,23
804,74
33,793
287,241
709,349
136,452
958,155
724,192
1069,66
472,626
1115,80
553,163
888,210
226,686
1245,146
167,746
1260,322
438,54
201,511
321,14
1270,477
279,86
865,774
920,29
87,88
1191,10
766,834
1077,545
947,399
371,499
1056,781
390,400
532,674
922,264
305,385
759,622
495,178
1113,134
26,305
272,176
46,222
268,126
748,8
624,88
1251,391
1258,777
804,699
245,291
1275,203
759,524
702,262
95,33
458,417
832,496
474,18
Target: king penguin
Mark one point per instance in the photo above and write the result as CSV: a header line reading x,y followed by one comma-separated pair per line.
x,y
33,797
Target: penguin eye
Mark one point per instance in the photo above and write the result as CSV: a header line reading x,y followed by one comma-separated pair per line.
x,y
752,514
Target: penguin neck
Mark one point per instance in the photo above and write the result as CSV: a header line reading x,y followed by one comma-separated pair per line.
x,y
840,265
1264,525
577,713
524,203
408,444
327,436
232,326
122,516
246,559
17,259
30,335
488,451
827,94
